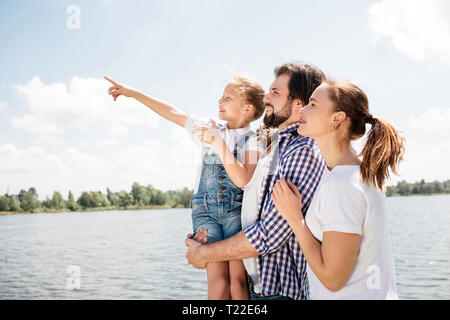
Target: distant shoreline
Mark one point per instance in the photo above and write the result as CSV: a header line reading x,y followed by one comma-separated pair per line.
x,y
91,209
160,207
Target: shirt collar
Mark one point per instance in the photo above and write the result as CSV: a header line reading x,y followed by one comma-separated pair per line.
x,y
236,132
291,129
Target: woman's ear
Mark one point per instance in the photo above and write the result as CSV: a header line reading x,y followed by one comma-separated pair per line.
x,y
338,118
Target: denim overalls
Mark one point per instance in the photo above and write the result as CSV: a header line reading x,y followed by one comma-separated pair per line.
x,y
216,206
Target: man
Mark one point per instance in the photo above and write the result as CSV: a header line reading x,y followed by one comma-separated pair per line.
x,y
281,264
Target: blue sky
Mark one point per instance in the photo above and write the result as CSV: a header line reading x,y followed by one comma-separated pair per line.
x,y
59,130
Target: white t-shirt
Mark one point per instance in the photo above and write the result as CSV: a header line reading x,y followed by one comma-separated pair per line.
x,y
230,136
344,203
250,209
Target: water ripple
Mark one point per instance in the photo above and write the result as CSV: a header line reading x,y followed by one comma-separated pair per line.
x,y
131,254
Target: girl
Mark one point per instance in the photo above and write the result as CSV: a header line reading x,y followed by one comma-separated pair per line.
x,y
229,157
345,236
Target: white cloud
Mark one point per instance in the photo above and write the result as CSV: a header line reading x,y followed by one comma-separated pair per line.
x,y
84,106
433,121
3,105
418,28
35,125
424,160
48,140
108,164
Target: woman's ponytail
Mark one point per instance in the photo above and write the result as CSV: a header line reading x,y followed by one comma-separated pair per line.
x,y
384,146
383,149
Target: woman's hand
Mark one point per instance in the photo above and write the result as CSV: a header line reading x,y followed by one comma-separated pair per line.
x,y
288,200
118,89
206,134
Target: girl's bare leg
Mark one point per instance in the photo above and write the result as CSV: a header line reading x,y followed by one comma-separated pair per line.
x,y
238,280
218,281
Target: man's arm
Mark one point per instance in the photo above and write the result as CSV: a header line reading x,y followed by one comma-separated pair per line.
x,y
236,247
303,167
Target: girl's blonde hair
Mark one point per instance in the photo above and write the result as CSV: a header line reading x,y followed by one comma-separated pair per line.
x,y
251,92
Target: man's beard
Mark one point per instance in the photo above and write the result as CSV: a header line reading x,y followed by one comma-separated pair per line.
x,y
274,120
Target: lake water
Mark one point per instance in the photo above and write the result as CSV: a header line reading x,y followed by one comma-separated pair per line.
x,y
141,254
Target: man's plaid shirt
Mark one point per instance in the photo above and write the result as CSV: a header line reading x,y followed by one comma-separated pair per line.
x,y
282,265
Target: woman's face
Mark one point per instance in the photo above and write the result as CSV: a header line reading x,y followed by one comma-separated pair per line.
x,y
230,105
317,116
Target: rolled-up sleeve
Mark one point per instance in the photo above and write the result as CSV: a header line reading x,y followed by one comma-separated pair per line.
x,y
303,167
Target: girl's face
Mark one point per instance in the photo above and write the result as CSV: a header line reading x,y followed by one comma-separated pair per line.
x,y
231,104
318,115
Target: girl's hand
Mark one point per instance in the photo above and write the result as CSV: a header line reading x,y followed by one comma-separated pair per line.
x,y
288,200
200,236
206,134
118,89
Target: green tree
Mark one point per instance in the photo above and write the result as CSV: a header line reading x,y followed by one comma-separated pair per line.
x,y
438,187
33,192
29,202
125,199
14,205
140,196
85,200
57,201
390,191
160,198
4,203
112,197
404,188
46,203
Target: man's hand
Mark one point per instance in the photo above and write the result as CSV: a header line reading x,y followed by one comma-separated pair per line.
x,y
194,254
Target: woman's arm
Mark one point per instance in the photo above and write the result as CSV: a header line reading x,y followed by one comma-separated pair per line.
x,y
239,173
333,260
163,109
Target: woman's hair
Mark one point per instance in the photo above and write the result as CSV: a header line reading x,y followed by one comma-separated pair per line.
x,y
384,146
252,93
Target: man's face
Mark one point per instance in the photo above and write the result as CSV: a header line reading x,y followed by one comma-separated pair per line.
x,y
278,107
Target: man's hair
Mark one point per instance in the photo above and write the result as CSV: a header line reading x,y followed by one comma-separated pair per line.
x,y
305,78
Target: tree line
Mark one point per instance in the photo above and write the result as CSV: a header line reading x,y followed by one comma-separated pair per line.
x,y
148,197
404,188
139,196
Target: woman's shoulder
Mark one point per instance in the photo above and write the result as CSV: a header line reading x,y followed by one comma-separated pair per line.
x,y
343,180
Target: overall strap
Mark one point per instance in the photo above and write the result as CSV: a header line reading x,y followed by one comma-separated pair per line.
x,y
271,173
241,142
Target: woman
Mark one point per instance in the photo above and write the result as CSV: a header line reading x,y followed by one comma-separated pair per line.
x,y
345,236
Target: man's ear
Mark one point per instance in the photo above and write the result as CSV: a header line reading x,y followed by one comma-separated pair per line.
x,y
298,104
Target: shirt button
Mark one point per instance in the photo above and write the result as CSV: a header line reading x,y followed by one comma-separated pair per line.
x,y
220,168
220,188
220,178
222,196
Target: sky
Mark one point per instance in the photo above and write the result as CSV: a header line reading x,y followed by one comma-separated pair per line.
x,y
61,131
